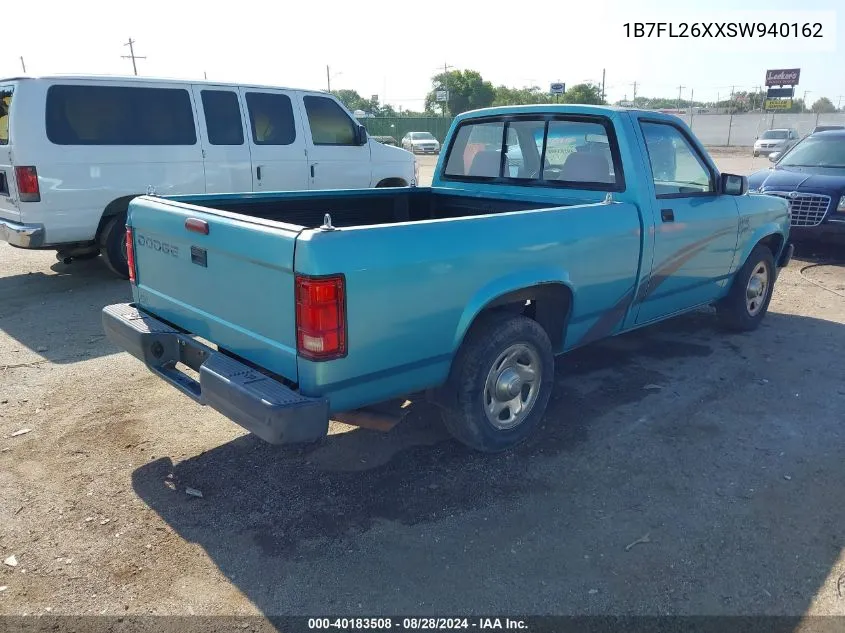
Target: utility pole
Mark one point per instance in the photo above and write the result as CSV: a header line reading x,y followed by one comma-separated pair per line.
x,y
602,85
680,88
839,102
634,100
446,69
804,101
691,105
132,54
23,65
731,120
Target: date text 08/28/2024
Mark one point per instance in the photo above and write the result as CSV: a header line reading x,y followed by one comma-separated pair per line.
x,y
387,623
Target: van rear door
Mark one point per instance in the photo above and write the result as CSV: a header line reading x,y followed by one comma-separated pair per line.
x,y
9,206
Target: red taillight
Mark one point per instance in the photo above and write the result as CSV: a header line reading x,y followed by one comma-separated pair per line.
x,y
130,254
320,317
27,178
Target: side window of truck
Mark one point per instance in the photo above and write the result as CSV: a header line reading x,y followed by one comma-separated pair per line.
x,y
329,124
676,166
119,115
222,117
271,118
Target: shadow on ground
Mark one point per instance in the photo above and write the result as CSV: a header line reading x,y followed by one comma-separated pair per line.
x,y
691,437
57,316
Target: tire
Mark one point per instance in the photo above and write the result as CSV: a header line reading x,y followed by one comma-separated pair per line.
x,y
487,360
113,245
739,311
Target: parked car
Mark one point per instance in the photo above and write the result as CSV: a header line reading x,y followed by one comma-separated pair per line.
x,y
775,141
79,148
327,302
826,128
420,143
811,178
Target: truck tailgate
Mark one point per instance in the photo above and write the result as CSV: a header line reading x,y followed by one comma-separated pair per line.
x,y
229,281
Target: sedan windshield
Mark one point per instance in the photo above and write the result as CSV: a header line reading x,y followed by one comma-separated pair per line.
x,y
771,134
816,151
422,136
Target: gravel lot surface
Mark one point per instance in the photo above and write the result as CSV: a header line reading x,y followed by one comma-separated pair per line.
x,y
680,470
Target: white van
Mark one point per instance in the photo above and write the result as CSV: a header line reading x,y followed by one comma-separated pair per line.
x,y
74,150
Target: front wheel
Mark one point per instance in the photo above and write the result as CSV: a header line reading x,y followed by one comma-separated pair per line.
x,y
748,299
502,381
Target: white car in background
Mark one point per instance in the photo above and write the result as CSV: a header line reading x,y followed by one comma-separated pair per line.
x,y
421,143
74,150
778,140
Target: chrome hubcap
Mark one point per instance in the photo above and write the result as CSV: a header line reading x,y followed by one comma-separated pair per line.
x,y
512,385
755,292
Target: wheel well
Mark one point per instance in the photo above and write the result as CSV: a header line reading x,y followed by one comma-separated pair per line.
x,y
773,242
392,182
113,208
548,304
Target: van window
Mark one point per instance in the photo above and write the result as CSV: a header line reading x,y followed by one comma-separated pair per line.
x,y
5,108
118,115
329,124
271,118
222,117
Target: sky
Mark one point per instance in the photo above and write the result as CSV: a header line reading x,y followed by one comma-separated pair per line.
x,y
392,49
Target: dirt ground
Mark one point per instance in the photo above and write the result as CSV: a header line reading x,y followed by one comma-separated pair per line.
x,y
681,470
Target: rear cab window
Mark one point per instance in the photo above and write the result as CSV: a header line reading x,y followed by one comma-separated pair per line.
x,y
567,151
119,115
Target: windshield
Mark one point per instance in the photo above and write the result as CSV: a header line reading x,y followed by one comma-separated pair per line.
x,y
816,152
422,136
5,107
774,134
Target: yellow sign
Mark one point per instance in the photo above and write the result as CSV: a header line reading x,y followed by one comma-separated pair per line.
x,y
778,104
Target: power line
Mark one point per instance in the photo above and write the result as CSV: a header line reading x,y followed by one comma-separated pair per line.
x,y
132,54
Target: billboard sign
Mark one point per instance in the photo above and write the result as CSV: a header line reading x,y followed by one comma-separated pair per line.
x,y
783,77
778,104
557,89
778,93
441,95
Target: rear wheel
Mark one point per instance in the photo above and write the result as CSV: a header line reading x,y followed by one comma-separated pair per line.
x,y
502,381
113,245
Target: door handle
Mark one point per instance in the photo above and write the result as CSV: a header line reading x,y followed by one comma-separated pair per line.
x,y
312,171
667,215
258,172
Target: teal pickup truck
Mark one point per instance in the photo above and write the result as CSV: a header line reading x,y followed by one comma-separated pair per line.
x,y
546,228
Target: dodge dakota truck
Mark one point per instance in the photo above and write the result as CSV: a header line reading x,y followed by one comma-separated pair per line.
x,y
545,228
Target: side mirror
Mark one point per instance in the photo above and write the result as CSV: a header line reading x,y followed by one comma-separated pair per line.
x,y
773,157
360,135
733,185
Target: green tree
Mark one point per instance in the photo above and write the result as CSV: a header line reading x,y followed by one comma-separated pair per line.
x,y
354,101
823,106
467,91
521,96
583,93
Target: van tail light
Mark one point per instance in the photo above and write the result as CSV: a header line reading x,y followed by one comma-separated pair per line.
x,y
321,317
27,179
130,254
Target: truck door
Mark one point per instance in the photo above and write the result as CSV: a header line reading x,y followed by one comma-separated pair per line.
x,y
228,165
276,140
696,228
335,161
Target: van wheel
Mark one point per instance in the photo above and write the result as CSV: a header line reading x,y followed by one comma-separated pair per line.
x,y
748,299
113,245
502,380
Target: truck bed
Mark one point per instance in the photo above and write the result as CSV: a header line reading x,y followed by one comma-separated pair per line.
x,y
361,207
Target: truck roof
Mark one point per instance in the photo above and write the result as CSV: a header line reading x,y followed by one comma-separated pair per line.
x,y
133,78
561,108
